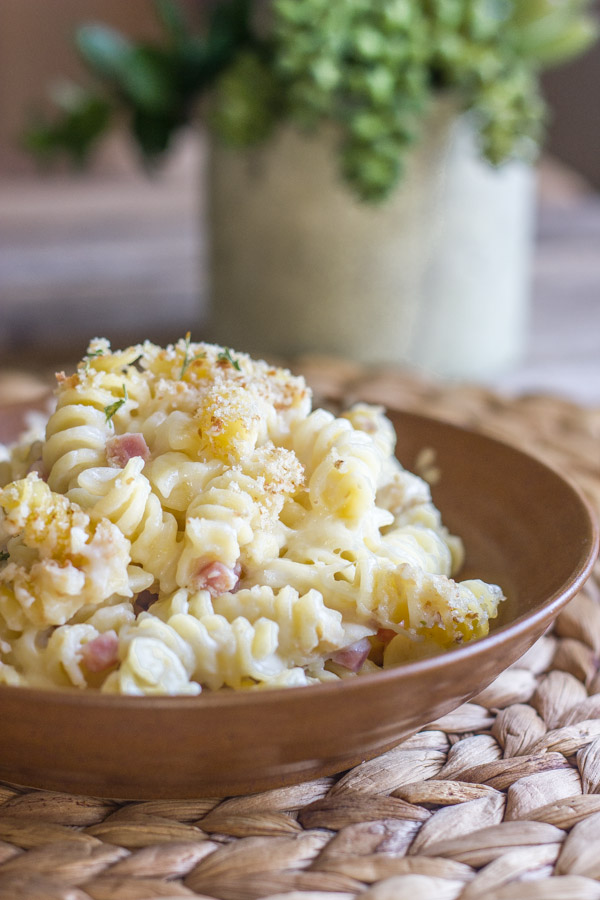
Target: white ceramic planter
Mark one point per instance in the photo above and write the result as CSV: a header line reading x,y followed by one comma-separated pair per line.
x,y
437,277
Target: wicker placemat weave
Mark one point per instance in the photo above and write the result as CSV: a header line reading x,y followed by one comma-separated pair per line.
x,y
503,793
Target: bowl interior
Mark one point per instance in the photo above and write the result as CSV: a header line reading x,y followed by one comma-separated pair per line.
x,y
524,527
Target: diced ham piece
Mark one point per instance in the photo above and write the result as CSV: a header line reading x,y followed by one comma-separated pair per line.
x,y
237,569
102,652
385,635
353,656
123,447
144,601
216,578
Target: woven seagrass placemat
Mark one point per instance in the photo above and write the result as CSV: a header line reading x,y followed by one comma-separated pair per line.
x,y
499,799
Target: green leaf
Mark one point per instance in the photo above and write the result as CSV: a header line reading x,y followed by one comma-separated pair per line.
x,y
112,408
105,50
231,21
172,19
228,34
83,118
548,32
187,359
142,74
153,132
147,79
550,43
246,102
225,356
197,66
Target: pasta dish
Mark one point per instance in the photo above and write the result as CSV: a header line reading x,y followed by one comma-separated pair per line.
x,y
183,522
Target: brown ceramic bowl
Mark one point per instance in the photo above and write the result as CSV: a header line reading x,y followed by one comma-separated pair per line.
x,y
524,527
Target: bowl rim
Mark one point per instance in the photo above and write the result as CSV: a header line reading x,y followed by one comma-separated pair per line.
x,y
527,621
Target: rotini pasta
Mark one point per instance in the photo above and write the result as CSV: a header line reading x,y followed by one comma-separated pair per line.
x,y
185,522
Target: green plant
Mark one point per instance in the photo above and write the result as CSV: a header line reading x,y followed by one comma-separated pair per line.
x,y
370,67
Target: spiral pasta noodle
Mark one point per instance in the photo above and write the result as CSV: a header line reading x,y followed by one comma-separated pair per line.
x,y
254,636
185,522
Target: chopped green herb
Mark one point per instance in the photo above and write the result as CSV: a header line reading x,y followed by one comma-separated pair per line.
x,y
110,410
226,356
90,355
187,360
4,555
132,363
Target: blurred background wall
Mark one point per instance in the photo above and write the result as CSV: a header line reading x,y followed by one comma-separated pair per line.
x,y
87,253
574,128
36,50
